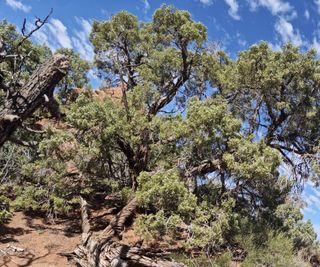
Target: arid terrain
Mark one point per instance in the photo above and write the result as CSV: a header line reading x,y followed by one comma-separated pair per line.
x,y
29,241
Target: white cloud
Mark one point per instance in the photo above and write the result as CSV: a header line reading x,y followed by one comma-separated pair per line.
x,y
316,192
233,9
85,24
17,5
285,29
241,41
41,37
206,2
316,45
317,3
146,6
274,6
306,14
80,40
59,31
309,210
314,200
55,35
105,13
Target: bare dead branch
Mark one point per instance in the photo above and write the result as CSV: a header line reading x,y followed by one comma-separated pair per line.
x,y
38,24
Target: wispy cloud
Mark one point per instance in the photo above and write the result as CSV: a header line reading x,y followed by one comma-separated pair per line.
x,y
233,9
241,41
146,6
80,40
315,45
276,7
41,37
55,35
206,2
287,33
317,2
312,198
17,5
306,14
59,31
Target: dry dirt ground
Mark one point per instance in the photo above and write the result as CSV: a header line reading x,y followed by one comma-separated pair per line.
x,y
29,241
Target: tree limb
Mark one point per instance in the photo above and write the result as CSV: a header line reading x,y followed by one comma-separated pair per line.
x,y
21,105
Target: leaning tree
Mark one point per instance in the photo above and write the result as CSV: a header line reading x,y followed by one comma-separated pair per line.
x,y
28,76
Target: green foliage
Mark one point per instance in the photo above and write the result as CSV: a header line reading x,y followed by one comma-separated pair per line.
x,y
277,251
151,226
5,207
12,159
49,187
168,47
16,69
293,226
77,75
126,194
251,160
164,191
222,260
196,137
273,95
210,225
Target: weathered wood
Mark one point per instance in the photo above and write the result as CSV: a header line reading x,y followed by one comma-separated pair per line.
x,y
106,250
32,95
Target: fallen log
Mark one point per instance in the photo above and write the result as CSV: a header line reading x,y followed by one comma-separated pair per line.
x,y
106,250
21,105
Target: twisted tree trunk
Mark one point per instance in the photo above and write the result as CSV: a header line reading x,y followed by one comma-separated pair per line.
x,y
32,95
106,250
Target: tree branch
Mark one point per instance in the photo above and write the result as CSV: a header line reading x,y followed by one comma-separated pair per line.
x,y
22,105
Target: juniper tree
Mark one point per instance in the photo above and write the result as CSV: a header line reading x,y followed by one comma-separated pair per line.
x,y
27,82
196,141
199,138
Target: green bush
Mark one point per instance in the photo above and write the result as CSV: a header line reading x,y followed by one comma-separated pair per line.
x,y
277,251
151,226
5,210
223,260
165,191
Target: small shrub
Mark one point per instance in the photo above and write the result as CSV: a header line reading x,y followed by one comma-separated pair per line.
x,y
277,251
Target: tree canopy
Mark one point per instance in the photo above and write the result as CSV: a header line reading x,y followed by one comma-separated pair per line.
x,y
198,139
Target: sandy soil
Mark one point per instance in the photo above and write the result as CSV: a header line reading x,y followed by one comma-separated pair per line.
x,y
27,241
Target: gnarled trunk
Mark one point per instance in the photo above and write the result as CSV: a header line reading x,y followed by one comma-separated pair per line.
x,y
32,95
106,250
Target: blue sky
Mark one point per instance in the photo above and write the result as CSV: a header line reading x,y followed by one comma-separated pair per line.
x,y
234,24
